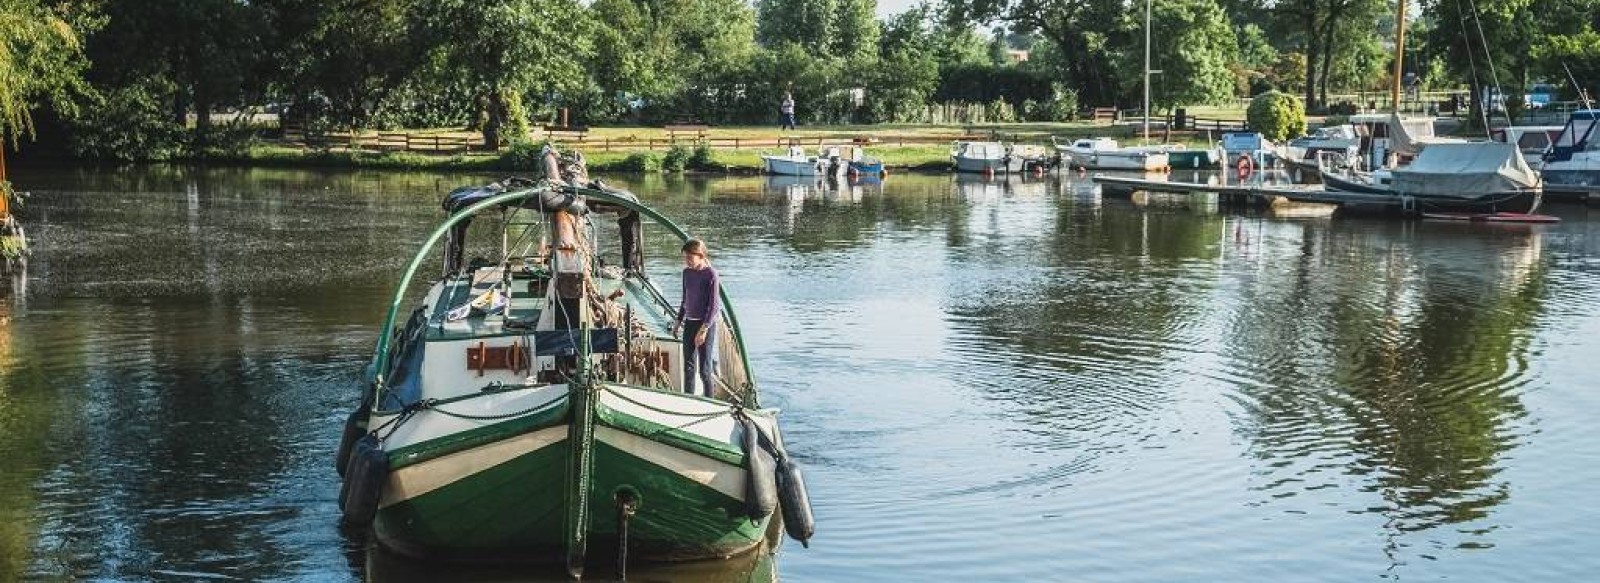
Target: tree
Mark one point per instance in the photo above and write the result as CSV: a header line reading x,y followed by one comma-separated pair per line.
x,y
669,53
1277,115
1077,27
1315,27
1191,43
537,48
1579,52
41,63
355,53
846,29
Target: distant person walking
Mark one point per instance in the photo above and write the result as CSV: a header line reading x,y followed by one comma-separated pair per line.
x,y
787,109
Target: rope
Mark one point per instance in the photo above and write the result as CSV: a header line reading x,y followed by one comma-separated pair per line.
x,y
411,410
626,506
1489,60
701,416
1472,63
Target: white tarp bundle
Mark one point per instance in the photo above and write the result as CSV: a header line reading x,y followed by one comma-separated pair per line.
x,y
1408,136
1466,170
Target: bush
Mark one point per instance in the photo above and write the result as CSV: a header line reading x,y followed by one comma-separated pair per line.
x,y
642,162
998,111
518,126
1277,115
132,124
704,159
1345,108
676,160
522,154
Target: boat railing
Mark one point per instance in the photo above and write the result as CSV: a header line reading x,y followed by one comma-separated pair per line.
x,y
381,353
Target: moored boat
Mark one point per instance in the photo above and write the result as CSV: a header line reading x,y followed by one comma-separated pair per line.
x,y
795,162
984,157
1107,154
1572,165
527,408
1305,151
1477,177
1534,141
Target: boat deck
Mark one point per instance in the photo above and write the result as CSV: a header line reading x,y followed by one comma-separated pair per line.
x,y
527,306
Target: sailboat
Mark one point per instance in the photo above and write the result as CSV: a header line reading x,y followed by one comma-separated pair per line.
x,y
1438,175
529,407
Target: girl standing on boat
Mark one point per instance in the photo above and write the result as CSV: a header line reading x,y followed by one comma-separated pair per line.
x,y
697,317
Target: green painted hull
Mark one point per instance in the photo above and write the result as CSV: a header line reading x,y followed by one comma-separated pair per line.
x,y
514,511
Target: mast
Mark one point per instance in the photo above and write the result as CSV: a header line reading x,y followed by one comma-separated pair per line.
x,y
1147,70
1399,53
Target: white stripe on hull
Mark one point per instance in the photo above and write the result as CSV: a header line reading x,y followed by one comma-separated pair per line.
x,y
415,480
718,475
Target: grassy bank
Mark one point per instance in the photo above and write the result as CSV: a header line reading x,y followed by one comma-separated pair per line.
x,y
933,158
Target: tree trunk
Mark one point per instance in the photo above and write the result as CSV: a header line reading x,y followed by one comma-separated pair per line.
x,y
495,118
1328,28
1311,59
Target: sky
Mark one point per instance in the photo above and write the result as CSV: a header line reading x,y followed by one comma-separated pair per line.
x,y
887,8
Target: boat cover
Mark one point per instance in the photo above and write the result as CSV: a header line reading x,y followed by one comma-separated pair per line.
x,y
1466,170
1408,136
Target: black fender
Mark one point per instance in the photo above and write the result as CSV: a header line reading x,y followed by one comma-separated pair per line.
x,y
760,491
364,478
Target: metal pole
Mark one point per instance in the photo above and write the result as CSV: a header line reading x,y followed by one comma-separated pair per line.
x,y
1147,4
1399,52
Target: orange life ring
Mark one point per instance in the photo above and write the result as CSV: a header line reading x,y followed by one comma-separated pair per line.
x,y
1244,165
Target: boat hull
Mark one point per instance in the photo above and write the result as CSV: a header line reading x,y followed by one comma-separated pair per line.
x,y
1523,201
1191,159
1570,183
788,167
503,498
1113,160
867,168
985,165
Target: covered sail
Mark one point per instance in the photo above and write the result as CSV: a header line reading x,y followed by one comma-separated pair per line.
x,y
1409,135
1466,170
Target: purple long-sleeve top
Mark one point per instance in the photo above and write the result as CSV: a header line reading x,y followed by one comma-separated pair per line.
x,y
701,298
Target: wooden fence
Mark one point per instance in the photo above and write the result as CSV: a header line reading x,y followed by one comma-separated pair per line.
x,y
460,143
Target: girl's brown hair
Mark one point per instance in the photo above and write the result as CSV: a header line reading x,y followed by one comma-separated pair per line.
x,y
695,247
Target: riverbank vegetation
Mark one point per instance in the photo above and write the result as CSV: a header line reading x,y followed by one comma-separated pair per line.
x,y
166,79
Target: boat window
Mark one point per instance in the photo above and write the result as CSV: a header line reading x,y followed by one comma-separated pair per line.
x,y
1534,140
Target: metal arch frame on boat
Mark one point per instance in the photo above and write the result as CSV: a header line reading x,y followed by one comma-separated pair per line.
x,y
381,353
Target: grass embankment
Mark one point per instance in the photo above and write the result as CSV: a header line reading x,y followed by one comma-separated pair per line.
x,y
734,149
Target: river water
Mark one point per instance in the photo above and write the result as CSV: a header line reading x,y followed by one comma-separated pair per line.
x,y
985,381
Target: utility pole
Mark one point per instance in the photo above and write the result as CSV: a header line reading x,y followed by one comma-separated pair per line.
x,y
1147,69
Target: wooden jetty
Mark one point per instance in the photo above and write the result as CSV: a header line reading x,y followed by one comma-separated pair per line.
x,y
1260,193
1573,193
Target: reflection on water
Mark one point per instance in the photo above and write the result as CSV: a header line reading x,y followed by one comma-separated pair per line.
x,y
987,379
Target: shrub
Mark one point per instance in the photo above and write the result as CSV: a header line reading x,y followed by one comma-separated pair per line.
x,y
642,162
704,158
676,160
523,154
1277,115
998,111
1345,108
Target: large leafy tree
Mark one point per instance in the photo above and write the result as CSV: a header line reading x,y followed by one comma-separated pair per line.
x,y
41,62
353,53
1192,44
832,28
667,52
1327,32
505,48
1079,29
